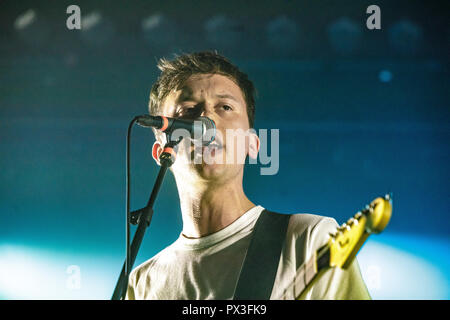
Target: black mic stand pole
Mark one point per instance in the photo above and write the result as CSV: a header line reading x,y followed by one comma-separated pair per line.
x,y
142,218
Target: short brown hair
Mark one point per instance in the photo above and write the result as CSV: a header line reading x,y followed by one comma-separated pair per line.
x,y
175,72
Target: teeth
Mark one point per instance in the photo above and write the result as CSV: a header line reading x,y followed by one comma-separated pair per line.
x,y
215,145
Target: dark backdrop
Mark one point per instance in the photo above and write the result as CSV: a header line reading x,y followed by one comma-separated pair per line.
x,y
361,113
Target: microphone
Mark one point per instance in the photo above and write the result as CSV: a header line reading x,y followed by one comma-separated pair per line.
x,y
202,128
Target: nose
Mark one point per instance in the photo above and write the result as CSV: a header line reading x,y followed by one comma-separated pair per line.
x,y
209,113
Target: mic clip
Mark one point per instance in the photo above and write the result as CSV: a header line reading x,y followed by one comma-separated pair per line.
x,y
135,216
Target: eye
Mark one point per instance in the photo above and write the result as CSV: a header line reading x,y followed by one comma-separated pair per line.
x,y
186,111
227,107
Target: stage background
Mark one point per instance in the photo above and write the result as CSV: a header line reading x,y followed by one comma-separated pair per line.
x,y
361,113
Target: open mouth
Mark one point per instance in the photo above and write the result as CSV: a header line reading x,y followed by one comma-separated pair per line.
x,y
207,154
212,148
214,145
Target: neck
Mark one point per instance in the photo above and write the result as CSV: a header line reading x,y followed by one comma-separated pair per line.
x,y
208,207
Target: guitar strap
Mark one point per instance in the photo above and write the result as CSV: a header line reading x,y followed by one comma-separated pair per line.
x,y
261,262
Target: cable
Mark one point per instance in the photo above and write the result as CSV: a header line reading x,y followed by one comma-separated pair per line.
x,y
127,197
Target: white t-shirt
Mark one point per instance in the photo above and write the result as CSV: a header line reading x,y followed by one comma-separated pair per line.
x,y
209,267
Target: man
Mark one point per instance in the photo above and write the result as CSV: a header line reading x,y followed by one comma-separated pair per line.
x,y
218,218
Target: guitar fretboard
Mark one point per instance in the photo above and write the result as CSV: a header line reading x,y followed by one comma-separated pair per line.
x,y
306,274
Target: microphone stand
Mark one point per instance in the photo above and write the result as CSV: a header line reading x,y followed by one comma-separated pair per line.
x,y
141,217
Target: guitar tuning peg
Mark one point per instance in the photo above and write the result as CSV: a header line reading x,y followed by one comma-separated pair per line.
x,y
366,210
389,197
332,236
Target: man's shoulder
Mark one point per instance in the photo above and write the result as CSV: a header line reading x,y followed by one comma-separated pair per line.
x,y
159,258
310,230
301,222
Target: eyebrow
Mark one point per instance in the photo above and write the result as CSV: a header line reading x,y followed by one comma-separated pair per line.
x,y
227,96
187,95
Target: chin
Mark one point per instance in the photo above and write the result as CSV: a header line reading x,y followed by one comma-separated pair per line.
x,y
210,171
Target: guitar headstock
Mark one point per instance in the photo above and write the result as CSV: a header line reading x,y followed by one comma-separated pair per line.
x,y
345,243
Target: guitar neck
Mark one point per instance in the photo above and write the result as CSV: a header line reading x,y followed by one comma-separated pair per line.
x,y
342,247
307,274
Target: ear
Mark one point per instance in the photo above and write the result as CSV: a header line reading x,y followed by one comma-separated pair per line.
x,y
156,151
253,146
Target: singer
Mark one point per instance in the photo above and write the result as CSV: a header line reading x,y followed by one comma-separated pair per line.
x,y
218,218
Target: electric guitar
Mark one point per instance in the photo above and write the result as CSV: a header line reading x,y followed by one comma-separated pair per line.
x,y
342,246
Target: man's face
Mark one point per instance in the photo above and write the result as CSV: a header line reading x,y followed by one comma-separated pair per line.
x,y
219,98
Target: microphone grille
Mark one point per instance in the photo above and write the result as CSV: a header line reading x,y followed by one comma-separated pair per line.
x,y
208,130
